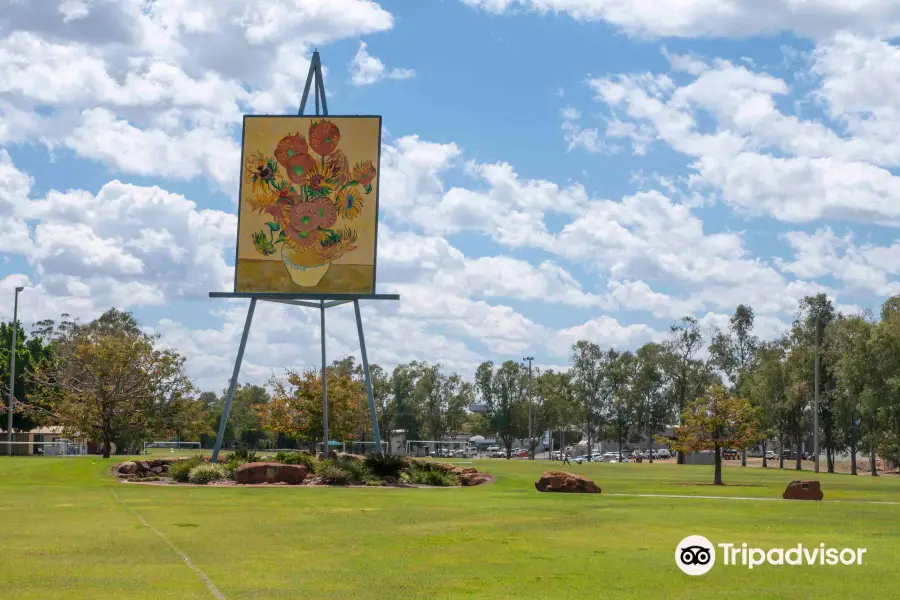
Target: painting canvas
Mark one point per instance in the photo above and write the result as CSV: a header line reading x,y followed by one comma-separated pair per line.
x,y
308,208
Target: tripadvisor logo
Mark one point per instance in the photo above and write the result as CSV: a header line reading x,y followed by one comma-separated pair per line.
x,y
696,555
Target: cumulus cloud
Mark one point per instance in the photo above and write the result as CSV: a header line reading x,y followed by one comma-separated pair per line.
x,y
718,18
365,69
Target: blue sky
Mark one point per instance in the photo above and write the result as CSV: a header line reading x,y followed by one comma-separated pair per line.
x,y
552,170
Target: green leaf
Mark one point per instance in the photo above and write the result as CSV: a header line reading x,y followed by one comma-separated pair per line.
x,y
274,226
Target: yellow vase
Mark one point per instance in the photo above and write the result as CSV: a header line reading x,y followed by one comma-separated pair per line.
x,y
302,275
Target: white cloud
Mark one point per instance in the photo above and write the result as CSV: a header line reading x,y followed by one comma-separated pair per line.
x,y
720,18
365,69
866,269
761,160
169,79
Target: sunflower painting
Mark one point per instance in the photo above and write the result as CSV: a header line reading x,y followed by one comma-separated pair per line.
x,y
308,215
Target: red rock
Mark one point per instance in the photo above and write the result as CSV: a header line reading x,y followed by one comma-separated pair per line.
x,y
476,478
350,457
560,481
267,472
803,490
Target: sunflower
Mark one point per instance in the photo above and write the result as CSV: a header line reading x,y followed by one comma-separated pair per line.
x,y
349,202
324,137
262,199
304,217
340,166
301,239
290,145
325,211
337,244
259,170
364,173
298,168
320,180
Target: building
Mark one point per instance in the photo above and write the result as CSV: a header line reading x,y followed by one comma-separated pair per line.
x,y
32,442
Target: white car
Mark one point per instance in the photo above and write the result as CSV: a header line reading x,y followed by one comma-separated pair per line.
x,y
771,455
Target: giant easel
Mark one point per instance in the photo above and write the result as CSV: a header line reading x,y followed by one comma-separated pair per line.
x,y
321,302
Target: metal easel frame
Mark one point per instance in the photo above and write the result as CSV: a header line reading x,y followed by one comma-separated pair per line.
x,y
317,301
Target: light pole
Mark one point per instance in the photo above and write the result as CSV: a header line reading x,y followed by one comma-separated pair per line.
x,y
530,409
816,413
12,373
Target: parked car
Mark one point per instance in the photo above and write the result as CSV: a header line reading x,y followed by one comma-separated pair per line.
x,y
663,454
771,455
730,454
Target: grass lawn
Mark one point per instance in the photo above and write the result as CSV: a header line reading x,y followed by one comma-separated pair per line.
x,y
71,531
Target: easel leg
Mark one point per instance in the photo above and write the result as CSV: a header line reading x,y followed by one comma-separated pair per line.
x,y
371,393
234,379
324,388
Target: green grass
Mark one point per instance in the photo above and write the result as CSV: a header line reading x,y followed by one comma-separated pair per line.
x,y
70,535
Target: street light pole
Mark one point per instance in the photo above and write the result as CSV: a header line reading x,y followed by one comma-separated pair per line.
x,y
816,415
12,373
530,409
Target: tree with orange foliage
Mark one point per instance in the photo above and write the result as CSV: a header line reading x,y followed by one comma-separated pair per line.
x,y
715,421
295,409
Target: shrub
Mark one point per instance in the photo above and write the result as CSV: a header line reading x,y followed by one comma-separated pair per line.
x,y
150,478
180,470
385,465
425,475
231,466
357,469
243,454
205,473
297,458
335,475
374,483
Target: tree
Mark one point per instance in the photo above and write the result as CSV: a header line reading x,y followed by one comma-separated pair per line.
x,y
714,421
31,352
444,400
849,351
385,409
503,392
407,413
617,376
296,406
558,405
685,340
109,382
587,379
811,320
765,387
734,351
651,398
883,418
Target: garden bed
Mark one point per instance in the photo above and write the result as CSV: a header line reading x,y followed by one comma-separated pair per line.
x,y
251,469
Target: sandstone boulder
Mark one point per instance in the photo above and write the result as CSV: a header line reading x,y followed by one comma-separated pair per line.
x,y
267,472
803,490
157,469
476,478
350,457
127,468
560,481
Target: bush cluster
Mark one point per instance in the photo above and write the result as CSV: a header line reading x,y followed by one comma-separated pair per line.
x,y
297,458
205,473
385,465
423,473
180,470
334,475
